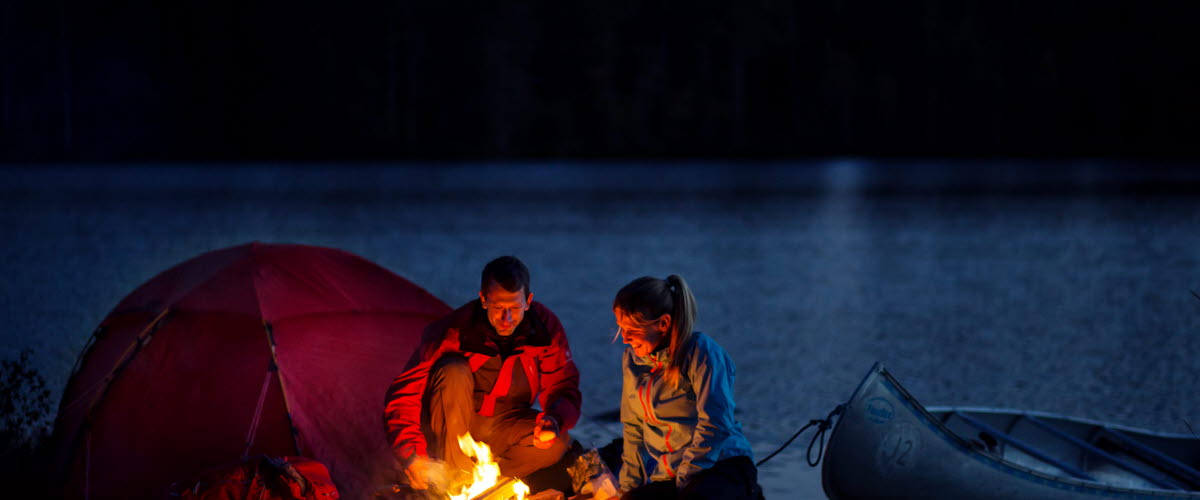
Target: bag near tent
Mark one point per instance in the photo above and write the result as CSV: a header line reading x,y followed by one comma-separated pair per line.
x,y
256,350
261,478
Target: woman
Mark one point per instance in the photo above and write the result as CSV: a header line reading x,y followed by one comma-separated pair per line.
x,y
681,438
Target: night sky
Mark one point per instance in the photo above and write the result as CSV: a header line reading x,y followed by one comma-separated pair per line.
x,y
391,80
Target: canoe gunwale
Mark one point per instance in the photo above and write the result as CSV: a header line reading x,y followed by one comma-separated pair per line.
x,y
1057,416
880,376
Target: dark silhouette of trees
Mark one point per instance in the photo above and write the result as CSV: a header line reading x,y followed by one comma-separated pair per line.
x,y
25,416
393,79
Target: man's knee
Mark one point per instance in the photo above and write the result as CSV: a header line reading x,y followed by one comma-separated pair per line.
x,y
451,370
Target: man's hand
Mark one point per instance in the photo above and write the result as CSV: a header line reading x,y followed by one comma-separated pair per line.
x,y
418,470
545,431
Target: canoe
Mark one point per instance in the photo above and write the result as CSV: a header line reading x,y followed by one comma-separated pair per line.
x,y
886,445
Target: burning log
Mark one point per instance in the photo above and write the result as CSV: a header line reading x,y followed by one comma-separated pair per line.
x,y
483,483
501,491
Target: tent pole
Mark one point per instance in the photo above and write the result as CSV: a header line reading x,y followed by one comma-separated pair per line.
x,y
262,397
103,385
126,356
283,388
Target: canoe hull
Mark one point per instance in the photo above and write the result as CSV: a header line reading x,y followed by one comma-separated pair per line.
x,y
886,445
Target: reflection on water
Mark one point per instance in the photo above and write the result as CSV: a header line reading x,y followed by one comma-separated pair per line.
x,y
1051,286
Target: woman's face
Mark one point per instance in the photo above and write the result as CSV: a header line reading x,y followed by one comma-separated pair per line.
x,y
644,338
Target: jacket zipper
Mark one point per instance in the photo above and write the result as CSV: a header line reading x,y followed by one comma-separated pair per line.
x,y
644,399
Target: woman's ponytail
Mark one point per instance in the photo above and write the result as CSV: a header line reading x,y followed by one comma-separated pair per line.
x,y
683,320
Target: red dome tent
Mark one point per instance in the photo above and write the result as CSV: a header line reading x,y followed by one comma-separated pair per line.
x,y
255,349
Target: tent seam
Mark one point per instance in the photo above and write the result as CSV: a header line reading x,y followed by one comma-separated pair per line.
x,y
254,256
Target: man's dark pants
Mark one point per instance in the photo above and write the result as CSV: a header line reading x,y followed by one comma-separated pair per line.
x,y
450,411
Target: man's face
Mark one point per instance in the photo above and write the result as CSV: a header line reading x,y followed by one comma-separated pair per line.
x,y
505,309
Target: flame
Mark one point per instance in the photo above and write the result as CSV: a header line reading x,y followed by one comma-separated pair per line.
x,y
486,474
520,490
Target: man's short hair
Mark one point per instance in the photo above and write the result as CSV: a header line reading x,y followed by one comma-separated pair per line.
x,y
508,272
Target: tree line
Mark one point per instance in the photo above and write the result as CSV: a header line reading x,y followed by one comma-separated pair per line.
x,y
394,80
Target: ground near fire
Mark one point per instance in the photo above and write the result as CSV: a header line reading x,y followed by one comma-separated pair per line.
x,y
1060,286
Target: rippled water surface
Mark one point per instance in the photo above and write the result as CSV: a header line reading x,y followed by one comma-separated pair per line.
x,y
1059,287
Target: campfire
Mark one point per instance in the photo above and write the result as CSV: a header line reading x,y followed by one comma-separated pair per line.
x,y
486,483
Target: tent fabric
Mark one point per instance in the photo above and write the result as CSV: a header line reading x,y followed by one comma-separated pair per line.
x,y
307,338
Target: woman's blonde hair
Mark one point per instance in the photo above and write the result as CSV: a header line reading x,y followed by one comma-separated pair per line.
x,y
648,298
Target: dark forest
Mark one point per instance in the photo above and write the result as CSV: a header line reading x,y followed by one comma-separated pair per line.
x,y
392,80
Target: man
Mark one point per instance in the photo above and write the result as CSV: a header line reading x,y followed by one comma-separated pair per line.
x,y
479,370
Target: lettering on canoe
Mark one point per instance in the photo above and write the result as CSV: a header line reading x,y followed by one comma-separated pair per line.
x,y
898,450
880,410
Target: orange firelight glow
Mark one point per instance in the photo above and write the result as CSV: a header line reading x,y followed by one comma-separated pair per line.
x,y
486,474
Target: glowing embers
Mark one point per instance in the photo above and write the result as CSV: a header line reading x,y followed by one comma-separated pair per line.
x,y
486,483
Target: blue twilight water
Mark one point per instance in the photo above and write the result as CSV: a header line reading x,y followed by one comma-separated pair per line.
x,y
1056,286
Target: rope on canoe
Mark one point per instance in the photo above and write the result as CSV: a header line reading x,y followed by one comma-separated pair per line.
x,y
822,426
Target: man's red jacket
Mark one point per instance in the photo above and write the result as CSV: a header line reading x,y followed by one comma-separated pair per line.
x,y
540,347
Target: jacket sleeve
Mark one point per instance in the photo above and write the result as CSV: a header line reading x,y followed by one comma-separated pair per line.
x,y
711,373
633,472
560,396
402,408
